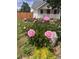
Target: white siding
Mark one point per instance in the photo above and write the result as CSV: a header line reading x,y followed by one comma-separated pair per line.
x,y
56,16
39,15
35,13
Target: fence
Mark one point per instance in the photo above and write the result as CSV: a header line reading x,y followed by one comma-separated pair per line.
x,y
24,15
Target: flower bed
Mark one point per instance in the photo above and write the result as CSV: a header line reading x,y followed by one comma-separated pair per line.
x,y
42,37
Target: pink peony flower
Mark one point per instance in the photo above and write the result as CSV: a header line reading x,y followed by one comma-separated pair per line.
x,y
46,18
25,19
34,17
50,34
31,33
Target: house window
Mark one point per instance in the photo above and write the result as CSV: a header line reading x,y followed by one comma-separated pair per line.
x,y
48,11
56,11
41,11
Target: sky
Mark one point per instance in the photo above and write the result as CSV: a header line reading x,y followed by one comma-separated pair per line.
x,y
20,2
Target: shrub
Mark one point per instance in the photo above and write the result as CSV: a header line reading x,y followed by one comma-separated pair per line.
x,y
40,28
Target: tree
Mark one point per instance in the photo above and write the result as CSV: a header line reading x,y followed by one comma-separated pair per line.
x,y
25,7
54,3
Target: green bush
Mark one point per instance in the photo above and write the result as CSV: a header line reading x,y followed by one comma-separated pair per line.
x,y
27,48
40,27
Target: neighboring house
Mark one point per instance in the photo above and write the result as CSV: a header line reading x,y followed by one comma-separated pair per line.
x,y
41,8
